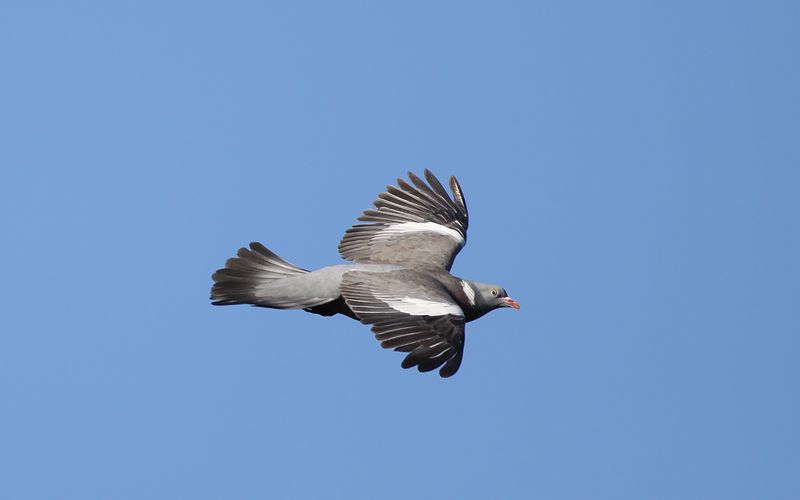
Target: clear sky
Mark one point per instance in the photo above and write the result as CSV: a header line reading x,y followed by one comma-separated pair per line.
x,y
631,170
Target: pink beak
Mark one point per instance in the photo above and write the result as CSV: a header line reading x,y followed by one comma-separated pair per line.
x,y
511,303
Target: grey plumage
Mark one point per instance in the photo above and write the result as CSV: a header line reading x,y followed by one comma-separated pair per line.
x,y
399,281
408,204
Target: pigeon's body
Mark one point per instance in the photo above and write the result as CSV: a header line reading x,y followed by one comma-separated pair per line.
x,y
399,282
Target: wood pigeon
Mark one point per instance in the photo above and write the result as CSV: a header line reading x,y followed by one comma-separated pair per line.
x,y
399,281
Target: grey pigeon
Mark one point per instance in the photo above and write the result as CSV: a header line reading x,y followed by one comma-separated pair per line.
x,y
399,281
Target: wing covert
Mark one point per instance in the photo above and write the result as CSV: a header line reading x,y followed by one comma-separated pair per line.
x,y
409,313
415,225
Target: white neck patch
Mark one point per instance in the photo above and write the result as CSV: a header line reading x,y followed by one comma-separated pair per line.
x,y
469,292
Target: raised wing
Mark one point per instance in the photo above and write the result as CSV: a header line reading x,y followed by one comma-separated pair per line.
x,y
413,226
409,312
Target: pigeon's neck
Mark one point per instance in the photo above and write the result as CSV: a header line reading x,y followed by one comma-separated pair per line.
x,y
467,296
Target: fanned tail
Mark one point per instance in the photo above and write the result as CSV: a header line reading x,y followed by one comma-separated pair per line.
x,y
239,280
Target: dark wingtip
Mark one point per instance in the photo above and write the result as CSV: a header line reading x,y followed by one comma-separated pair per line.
x,y
451,367
408,362
436,185
458,194
415,179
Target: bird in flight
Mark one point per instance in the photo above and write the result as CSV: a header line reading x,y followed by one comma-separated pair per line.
x,y
399,280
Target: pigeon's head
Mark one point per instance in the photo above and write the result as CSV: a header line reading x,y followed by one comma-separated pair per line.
x,y
489,297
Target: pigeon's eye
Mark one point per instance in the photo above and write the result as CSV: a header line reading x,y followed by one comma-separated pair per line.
x,y
494,293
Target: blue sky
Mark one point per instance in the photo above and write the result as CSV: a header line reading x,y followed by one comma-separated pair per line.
x,y
632,175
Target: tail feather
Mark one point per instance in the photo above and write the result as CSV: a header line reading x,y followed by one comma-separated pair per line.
x,y
239,280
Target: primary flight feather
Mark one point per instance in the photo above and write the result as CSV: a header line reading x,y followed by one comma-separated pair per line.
x,y
399,281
